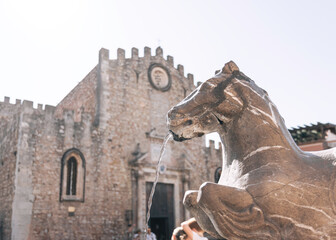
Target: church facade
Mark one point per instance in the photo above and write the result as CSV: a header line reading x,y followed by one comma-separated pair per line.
x,y
84,169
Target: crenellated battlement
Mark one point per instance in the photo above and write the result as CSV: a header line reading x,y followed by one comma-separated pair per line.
x,y
26,104
212,147
7,102
135,53
121,58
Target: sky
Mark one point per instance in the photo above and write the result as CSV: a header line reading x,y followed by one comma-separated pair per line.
x,y
286,47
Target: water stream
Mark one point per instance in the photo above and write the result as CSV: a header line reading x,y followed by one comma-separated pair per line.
x,y
150,199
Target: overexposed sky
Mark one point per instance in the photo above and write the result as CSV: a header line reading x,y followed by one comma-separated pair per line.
x,y
286,47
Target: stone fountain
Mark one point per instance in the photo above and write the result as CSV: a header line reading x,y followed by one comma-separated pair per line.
x,y
269,188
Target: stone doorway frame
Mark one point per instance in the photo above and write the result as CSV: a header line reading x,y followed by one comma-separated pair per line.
x,y
169,177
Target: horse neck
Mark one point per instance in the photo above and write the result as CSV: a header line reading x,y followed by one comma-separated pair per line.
x,y
252,134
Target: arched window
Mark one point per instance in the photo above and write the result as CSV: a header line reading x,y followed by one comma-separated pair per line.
x,y
72,176
218,173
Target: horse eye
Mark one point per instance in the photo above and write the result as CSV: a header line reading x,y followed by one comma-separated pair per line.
x,y
189,122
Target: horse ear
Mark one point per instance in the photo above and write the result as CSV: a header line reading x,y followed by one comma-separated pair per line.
x,y
230,67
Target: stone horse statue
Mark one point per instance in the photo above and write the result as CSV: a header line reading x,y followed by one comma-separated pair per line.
x,y
269,188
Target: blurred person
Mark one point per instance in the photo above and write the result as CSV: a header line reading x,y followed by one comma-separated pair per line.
x,y
189,230
137,235
179,234
150,235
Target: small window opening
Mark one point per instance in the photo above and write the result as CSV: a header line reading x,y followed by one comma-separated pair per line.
x,y
72,177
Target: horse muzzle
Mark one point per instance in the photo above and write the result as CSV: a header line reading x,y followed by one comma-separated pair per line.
x,y
177,137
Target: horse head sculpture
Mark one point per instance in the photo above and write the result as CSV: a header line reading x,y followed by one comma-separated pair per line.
x,y
269,188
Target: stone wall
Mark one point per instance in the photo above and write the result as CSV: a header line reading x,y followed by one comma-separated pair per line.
x,y
95,217
9,118
81,98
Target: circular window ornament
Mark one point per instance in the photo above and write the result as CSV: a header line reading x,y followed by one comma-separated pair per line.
x,y
159,77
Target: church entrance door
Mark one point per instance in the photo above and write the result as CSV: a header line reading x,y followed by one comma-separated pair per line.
x,y
162,211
